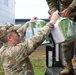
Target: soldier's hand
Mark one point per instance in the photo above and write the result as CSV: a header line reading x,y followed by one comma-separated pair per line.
x,y
49,17
54,18
66,12
33,19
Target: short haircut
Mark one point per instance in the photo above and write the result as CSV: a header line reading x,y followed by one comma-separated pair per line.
x,y
4,38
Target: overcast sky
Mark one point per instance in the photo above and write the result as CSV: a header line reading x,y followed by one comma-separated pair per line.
x,y
29,8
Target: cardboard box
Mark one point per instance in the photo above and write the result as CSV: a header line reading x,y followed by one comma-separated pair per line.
x,y
64,30
34,27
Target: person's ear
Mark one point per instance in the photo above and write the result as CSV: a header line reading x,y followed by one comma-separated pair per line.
x,y
9,38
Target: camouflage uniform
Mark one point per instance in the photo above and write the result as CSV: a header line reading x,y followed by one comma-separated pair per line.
x,y
66,47
15,58
53,6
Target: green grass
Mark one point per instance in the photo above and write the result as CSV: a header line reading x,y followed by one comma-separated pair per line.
x,y
38,61
1,69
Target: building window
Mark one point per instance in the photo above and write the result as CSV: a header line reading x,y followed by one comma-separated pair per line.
x,y
6,2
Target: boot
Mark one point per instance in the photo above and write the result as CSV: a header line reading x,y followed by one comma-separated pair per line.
x,y
67,70
68,55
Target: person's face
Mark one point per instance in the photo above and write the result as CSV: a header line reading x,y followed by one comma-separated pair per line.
x,y
14,38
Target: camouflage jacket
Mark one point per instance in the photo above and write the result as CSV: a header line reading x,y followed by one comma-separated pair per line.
x,y
62,4
15,57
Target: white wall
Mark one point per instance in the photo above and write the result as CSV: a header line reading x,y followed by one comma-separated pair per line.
x,y
7,11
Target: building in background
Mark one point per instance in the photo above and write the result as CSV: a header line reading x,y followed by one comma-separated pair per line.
x,y
7,11
22,21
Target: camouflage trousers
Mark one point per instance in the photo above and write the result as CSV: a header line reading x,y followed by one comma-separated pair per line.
x,y
68,49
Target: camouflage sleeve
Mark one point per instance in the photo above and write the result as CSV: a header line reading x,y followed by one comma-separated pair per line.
x,y
73,5
52,4
32,43
22,30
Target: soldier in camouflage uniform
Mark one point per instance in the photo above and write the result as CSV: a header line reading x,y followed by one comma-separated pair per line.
x,y
15,54
67,8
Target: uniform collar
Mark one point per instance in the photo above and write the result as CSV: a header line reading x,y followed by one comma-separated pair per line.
x,y
7,45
